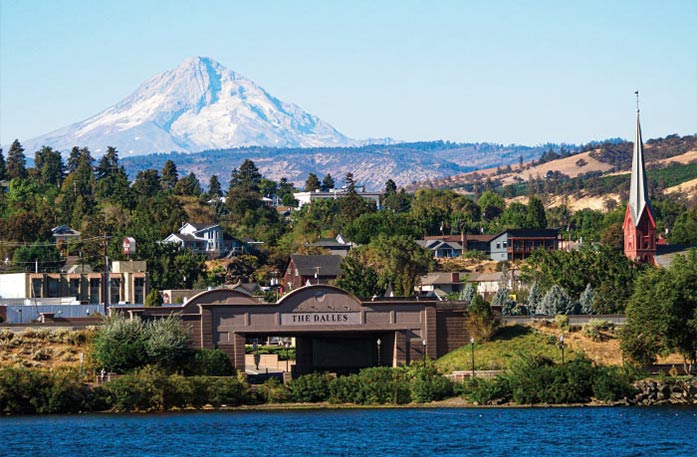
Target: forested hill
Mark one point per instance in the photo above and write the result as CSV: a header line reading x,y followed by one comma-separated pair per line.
x,y
371,165
594,169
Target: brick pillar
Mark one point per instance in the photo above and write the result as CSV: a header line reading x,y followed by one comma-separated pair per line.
x,y
206,328
400,348
430,331
237,357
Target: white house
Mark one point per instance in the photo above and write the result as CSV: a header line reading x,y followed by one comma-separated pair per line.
x,y
305,198
207,239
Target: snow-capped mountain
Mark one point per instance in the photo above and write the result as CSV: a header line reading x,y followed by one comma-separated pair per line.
x,y
198,105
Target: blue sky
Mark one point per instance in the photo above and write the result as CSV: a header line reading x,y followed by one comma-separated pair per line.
x,y
508,72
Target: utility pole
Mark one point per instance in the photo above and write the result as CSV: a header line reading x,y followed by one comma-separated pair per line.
x,y
105,284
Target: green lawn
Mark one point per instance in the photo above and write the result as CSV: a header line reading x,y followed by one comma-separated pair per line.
x,y
497,354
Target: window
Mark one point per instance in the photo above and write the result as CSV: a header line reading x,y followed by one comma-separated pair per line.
x,y
498,245
139,290
52,286
74,288
115,290
95,290
37,288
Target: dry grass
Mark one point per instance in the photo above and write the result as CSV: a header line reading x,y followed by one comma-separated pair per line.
x,y
42,348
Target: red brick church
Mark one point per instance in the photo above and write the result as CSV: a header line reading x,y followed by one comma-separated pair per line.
x,y
639,224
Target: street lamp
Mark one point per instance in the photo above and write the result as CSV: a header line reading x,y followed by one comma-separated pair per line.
x,y
287,344
379,343
424,352
472,344
561,346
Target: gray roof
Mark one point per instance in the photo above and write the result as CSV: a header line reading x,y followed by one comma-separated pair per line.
x,y
638,190
329,265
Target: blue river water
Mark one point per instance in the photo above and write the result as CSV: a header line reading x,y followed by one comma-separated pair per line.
x,y
589,432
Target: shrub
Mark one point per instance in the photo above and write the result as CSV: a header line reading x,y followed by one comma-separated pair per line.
x,y
312,387
28,391
346,389
612,384
167,343
272,391
562,321
593,327
481,322
210,362
488,391
124,344
380,385
426,384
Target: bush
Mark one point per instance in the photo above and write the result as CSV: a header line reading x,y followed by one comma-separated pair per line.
x,y
380,385
593,327
151,389
488,391
124,344
346,389
612,384
27,391
481,322
310,388
210,362
426,384
272,391
562,321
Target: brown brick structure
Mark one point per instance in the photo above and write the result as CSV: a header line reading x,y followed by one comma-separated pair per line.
x,y
333,330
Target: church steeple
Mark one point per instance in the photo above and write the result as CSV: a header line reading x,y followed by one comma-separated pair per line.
x,y
638,190
639,224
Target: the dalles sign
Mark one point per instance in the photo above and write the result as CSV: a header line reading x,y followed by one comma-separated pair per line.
x,y
290,319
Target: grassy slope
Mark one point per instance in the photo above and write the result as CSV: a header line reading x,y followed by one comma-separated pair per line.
x,y
497,354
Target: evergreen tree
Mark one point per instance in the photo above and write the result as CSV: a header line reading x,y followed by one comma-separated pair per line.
x,y
467,293
536,218
390,188
503,300
16,162
481,323
108,165
534,300
73,160
328,183
557,301
84,175
312,183
285,193
3,169
169,175
188,186
147,183
586,300
214,189
49,166
244,191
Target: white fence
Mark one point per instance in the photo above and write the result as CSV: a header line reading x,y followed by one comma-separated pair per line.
x,y
24,314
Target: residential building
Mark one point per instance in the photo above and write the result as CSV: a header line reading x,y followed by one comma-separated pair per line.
x,y
335,246
442,249
305,198
519,244
206,239
304,270
467,241
441,283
